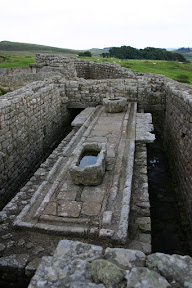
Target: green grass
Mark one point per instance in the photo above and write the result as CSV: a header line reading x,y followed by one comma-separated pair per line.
x,y
16,61
173,70
181,72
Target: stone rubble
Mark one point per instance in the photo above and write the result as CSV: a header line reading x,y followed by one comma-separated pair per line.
x,y
75,263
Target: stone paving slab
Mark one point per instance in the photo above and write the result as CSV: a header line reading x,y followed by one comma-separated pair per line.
x,y
82,117
59,200
144,128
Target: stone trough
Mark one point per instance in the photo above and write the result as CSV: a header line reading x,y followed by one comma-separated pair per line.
x,y
114,105
88,168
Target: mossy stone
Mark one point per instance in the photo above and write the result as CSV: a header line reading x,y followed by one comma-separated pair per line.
x,y
104,271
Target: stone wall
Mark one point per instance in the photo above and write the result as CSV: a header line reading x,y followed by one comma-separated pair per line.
x,y
74,67
178,137
145,89
13,78
31,120
153,93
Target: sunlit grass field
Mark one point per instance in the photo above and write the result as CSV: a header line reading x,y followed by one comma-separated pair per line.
x,y
178,71
181,72
12,61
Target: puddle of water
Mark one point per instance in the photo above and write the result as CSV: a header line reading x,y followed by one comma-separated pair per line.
x,y
88,158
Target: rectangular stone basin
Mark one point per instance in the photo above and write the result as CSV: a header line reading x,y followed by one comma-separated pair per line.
x,y
88,167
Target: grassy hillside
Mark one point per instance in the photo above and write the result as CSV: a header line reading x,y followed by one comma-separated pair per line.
x,y
33,48
186,52
98,52
181,72
15,54
24,54
188,55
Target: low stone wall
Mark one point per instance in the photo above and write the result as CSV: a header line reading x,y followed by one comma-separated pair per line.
x,y
74,67
178,137
13,78
145,89
32,119
141,88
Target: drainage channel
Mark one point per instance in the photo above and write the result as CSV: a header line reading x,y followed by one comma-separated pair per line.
x,y
167,233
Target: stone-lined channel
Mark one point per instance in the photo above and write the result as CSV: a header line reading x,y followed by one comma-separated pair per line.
x,y
167,231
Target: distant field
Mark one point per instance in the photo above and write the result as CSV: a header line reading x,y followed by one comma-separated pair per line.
x,y
15,47
7,61
188,56
181,72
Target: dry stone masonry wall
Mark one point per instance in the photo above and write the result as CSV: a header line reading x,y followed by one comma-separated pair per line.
x,y
73,67
31,120
14,78
178,138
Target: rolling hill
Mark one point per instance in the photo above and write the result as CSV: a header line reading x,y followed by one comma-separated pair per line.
x,y
186,52
7,46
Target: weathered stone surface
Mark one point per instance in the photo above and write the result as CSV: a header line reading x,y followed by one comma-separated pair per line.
x,y
15,262
69,208
125,258
81,118
93,194
144,224
142,277
91,174
91,209
144,127
68,266
67,250
74,262
85,284
51,208
107,217
106,272
32,267
172,267
2,247
114,104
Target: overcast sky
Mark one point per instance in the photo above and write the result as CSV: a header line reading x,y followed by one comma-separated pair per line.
x,y
83,24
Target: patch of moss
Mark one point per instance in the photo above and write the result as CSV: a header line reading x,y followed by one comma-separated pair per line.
x,y
2,91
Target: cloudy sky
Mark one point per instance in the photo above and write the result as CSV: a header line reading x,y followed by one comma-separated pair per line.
x,y
83,24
